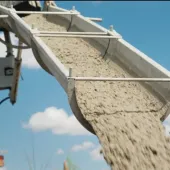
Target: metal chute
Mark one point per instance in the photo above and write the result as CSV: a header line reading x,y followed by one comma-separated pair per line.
x,y
22,5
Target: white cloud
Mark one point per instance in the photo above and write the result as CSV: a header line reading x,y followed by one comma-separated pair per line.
x,y
95,153
60,152
167,129
167,120
56,120
166,124
82,147
91,148
28,59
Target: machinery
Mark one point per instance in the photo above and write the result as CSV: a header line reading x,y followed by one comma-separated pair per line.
x,y
10,21
10,65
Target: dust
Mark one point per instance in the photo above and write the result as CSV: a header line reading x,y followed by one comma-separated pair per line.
x,y
124,115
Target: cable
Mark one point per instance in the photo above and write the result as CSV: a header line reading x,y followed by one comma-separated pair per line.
x,y
33,153
106,49
13,46
28,161
22,78
4,100
70,23
48,162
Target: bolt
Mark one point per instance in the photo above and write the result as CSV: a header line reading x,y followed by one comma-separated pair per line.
x,y
70,72
73,8
111,27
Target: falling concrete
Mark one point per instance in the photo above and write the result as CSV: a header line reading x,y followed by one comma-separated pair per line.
x,y
124,115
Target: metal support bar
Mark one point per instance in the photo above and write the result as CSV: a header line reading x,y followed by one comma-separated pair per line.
x,y
77,36
8,41
70,72
3,16
94,19
14,89
13,46
47,13
73,10
70,33
120,79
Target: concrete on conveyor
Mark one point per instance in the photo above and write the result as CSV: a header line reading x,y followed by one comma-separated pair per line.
x,y
124,115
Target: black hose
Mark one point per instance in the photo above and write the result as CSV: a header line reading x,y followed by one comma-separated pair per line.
x,y
106,49
4,100
70,23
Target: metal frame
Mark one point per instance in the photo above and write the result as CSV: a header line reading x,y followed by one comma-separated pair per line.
x,y
77,36
14,89
47,13
120,79
71,33
13,46
116,79
3,16
94,19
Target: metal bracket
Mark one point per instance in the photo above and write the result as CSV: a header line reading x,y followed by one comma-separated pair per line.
x,y
73,10
8,71
71,88
71,85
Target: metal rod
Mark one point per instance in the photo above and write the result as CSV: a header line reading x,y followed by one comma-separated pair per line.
x,y
94,19
48,13
8,41
77,36
70,72
3,16
71,33
120,79
13,46
14,89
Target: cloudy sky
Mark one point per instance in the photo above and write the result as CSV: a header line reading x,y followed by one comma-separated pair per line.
x,y
42,120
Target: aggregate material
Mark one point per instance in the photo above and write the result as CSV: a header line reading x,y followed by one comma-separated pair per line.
x,y
124,115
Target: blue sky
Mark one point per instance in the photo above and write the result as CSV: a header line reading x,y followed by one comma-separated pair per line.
x,y
143,24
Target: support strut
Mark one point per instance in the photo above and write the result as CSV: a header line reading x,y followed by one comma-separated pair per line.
x,y
8,41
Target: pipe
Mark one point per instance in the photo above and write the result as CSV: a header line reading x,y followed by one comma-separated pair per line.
x,y
8,40
48,13
120,79
94,19
76,36
71,33
14,89
3,16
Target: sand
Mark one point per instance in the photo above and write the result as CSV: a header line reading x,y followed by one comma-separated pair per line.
x,y
124,115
